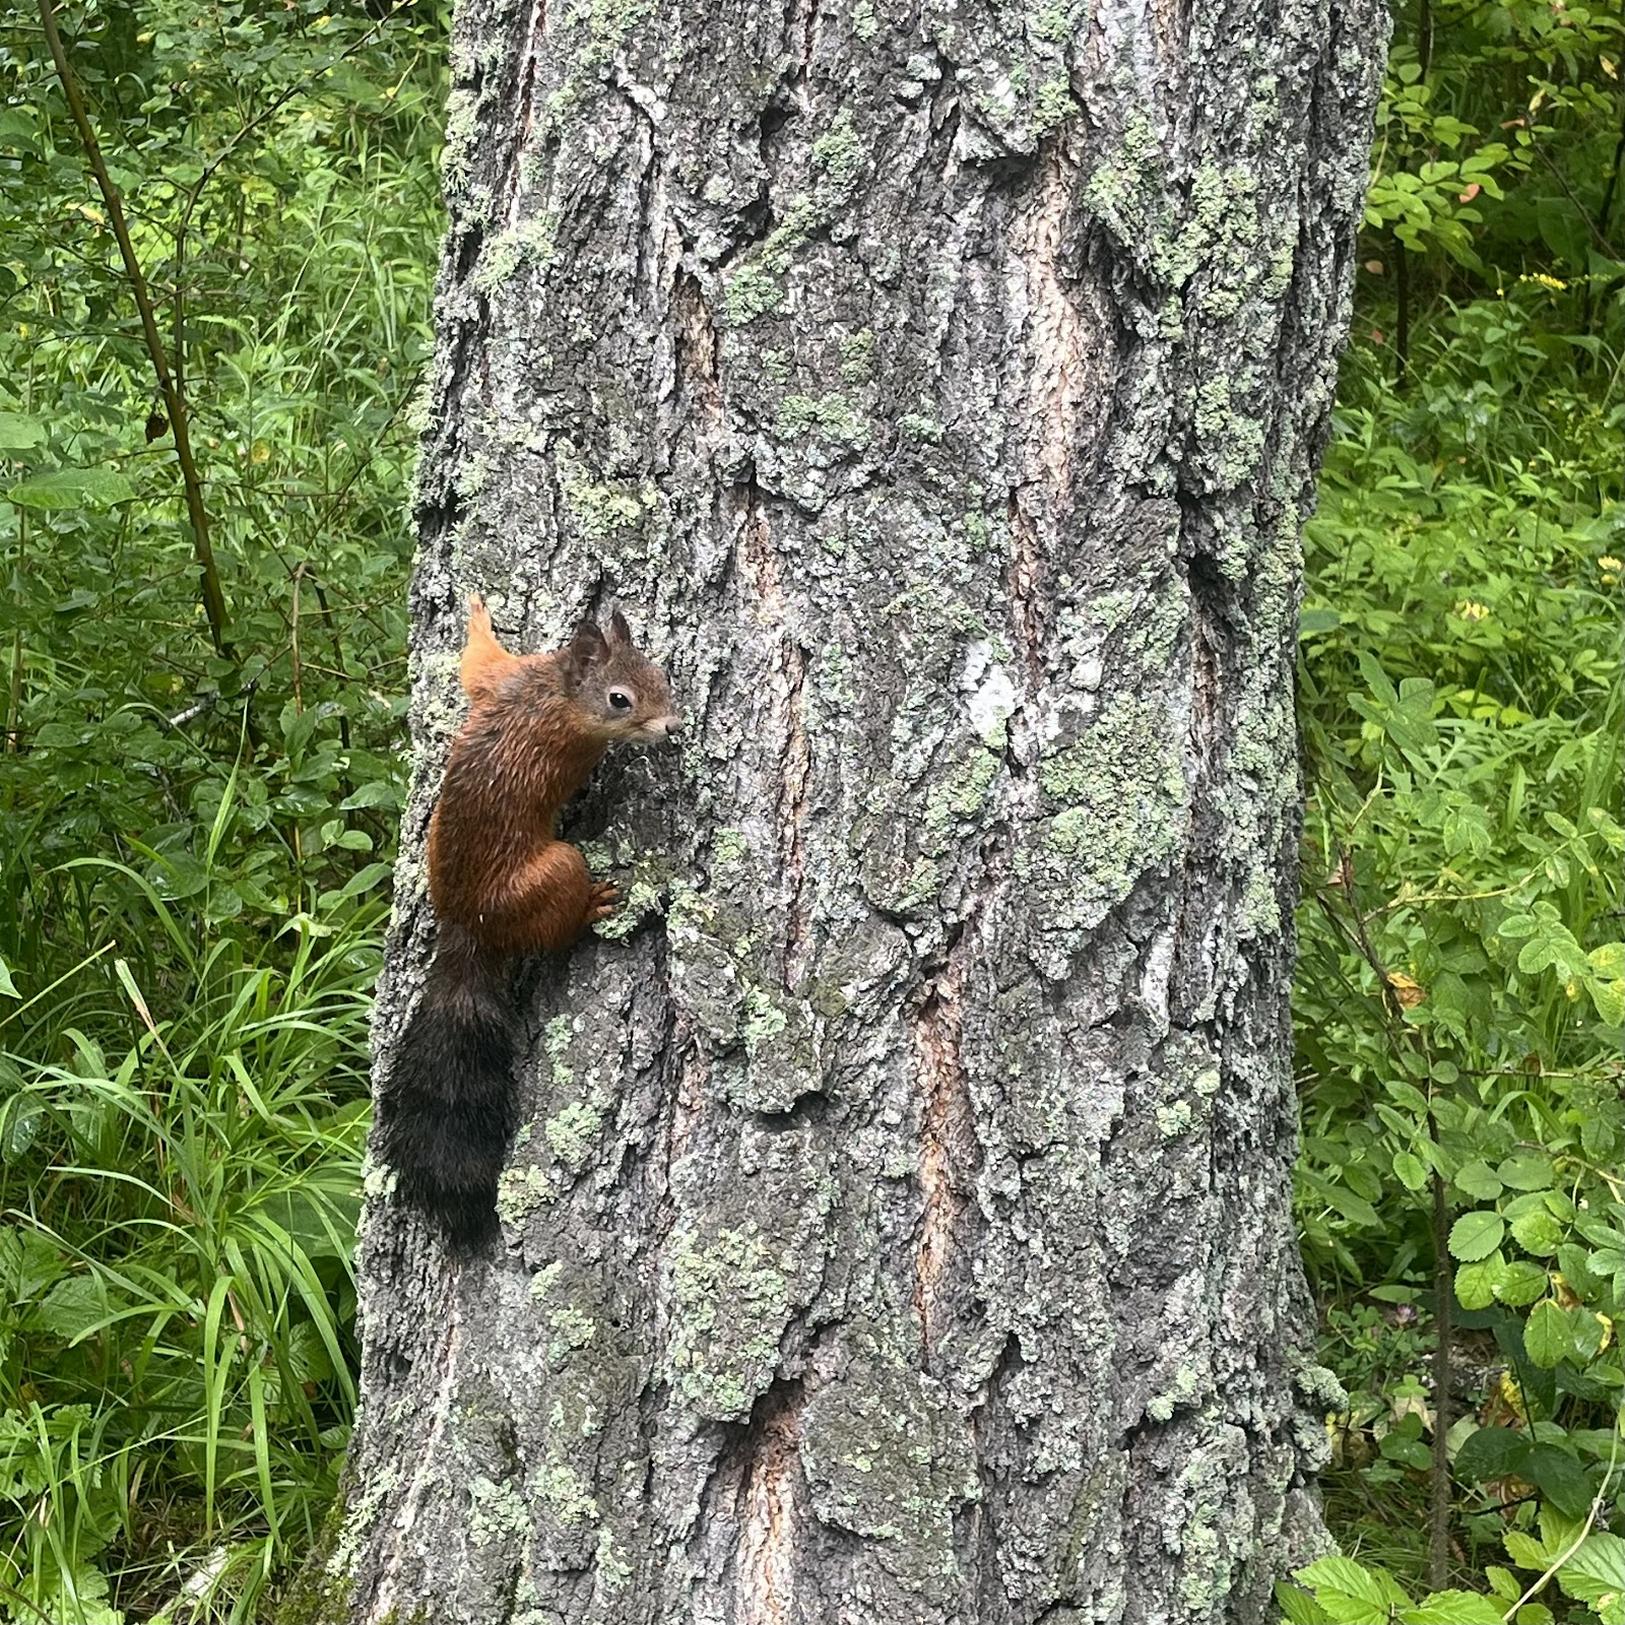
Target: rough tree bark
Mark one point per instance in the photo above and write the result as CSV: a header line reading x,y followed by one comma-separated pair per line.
x,y
901,1229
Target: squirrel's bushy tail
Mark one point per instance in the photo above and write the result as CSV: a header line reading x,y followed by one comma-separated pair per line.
x,y
446,1110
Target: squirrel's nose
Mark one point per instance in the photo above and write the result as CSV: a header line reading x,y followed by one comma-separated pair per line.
x,y
674,726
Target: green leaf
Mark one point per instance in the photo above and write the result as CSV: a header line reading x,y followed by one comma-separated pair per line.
x,y
18,432
1609,998
1525,1550
71,1307
1560,1478
8,988
71,488
1528,1171
1409,1170
1538,1233
1588,1330
1476,1283
1521,1283
379,793
1299,1605
1478,1180
1350,1593
22,1117
1546,1335
1595,1574
1410,1453
1491,1453
1454,1608
1476,1235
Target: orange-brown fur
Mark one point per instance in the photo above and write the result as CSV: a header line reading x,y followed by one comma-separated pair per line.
x,y
496,865
502,883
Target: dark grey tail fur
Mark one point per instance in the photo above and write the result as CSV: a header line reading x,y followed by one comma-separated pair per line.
x,y
446,1111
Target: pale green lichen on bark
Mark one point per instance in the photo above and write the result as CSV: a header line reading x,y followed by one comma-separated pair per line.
x,y
602,508
831,416
1120,793
530,243
497,1513
560,1488
520,1192
586,37
888,1459
572,1135
732,1298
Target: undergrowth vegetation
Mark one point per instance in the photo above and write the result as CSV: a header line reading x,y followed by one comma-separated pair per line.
x,y
1461,990
204,681
196,818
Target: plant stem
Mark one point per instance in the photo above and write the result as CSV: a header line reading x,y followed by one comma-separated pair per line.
x,y
14,709
1443,1338
1402,322
214,602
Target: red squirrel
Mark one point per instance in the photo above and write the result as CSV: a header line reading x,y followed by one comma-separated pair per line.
x,y
503,883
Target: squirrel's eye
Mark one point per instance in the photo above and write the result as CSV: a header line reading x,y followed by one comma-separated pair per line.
x,y
620,700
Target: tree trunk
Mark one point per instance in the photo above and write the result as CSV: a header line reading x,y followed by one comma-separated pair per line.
x,y
901,1228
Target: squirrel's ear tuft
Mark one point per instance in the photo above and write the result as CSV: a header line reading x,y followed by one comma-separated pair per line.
x,y
619,631
586,649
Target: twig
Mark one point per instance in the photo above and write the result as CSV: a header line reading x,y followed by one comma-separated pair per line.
x,y
338,654
192,712
214,602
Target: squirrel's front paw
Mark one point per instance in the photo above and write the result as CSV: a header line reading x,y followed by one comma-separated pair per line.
x,y
602,901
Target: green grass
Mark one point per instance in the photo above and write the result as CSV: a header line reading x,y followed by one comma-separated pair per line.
x,y
180,1194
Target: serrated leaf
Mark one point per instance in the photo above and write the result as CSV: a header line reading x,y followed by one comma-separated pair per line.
x,y
1454,1608
1478,1180
1476,1283
71,488
1546,1335
1410,1170
1528,1171
1299,1605
1596,1573
1537,1233
1525,1550
1491,1453
1343,1574
70,1307
1521,1283
1351,1594
1476,1235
